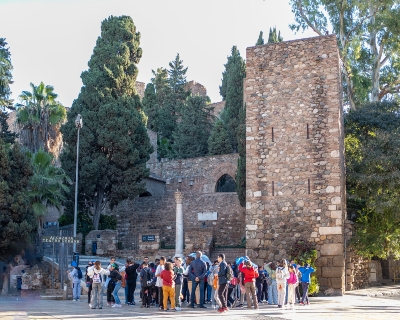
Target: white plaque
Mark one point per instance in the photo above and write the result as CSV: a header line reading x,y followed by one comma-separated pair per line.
x,y
203,216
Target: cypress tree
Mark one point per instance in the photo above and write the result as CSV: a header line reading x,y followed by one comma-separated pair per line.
x,y
260,40
114,145
232,92
193,129
273,36
150,106
218,142
241,168
17,221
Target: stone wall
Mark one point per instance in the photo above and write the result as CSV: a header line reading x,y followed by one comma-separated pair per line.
x,y
140,87
218,107
106,240
295,162
198,178
153,140
196,88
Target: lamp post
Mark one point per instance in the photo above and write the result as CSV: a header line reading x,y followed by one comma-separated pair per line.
x,y
78,124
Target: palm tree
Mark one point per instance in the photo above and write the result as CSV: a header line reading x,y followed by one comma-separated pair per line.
x,y
40,116
47,186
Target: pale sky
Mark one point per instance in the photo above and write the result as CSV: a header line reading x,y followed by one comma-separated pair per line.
x,y
52,40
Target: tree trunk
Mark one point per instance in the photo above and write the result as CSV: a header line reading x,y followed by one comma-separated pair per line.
x,y
376,66
98,202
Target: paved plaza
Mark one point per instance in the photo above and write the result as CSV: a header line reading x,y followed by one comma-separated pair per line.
x,y
367,304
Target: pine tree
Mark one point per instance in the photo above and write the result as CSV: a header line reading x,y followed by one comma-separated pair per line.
x,y
17,221
218,142
260,40
5,76
274,37
232,92
150,106
193,129
114,145
5,134
177,76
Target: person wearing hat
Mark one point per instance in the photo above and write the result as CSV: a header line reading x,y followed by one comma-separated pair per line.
x,y
116,277
76,281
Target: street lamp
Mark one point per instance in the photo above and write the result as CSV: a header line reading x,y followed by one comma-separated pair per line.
x,y
78,124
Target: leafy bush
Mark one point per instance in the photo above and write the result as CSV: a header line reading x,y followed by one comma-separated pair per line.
x,y
303,252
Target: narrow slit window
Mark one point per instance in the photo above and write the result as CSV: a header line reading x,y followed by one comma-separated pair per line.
x,y
309,186
273,187
308,132
272,133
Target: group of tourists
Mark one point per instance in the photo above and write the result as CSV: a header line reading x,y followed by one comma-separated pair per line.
x,y
170,284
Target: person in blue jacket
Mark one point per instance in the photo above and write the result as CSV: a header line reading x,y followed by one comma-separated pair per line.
x,y
305,282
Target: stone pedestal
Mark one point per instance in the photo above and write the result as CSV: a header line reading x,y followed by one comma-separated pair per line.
x,y
179,225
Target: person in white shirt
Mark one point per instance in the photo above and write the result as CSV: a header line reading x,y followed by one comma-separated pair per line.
x,y
159,283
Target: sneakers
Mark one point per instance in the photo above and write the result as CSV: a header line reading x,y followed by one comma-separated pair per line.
x,y
302,303
116,306
178,309
220,310
225,309
308,303
90,305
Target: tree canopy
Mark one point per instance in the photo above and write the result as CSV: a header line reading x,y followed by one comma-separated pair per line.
x,y
369,45
372,147
114,145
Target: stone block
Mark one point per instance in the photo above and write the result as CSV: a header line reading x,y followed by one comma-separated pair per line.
x,y
336,214
321,261
252,243
337,283
330,230
336,200
338,261
332,249
332,272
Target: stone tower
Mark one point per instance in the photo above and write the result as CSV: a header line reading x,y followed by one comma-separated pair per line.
x,y
295,163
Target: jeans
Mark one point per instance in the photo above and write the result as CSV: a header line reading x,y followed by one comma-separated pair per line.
x,y
251,288
131,285
272,293
76,291
89,294
185,290
160,296
209,291
223,294
259,286
304,286
264,295
115,292
110,289
146,296
97,295
230,300
194,286
214,297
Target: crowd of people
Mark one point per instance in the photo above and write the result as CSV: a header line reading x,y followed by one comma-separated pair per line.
x,y
170,284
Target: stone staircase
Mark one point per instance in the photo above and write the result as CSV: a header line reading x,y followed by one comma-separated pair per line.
x,y
230,253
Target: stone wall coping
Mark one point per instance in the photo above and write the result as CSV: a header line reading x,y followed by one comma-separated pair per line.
x,y
286,42
194,159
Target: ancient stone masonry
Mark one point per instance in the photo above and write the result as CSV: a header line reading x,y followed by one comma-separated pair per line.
x,y
196,88
205,211
295,162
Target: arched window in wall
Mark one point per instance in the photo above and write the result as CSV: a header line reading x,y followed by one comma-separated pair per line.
x,y
225,184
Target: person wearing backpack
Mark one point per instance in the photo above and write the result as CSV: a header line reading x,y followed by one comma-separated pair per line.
x,y
250,275
97,273
76,276
282,274
146,276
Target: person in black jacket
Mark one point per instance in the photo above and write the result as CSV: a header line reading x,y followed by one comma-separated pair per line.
x,y
131,277
222,283
116,277
146,276
198,270
89,280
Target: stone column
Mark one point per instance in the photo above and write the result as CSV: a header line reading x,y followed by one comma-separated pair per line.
x,y
179,225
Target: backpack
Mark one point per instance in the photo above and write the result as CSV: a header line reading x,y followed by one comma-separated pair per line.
x,y
269,281
80,275
229,273
96,278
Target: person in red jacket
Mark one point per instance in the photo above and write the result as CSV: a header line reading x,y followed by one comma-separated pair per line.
x,y
250,275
